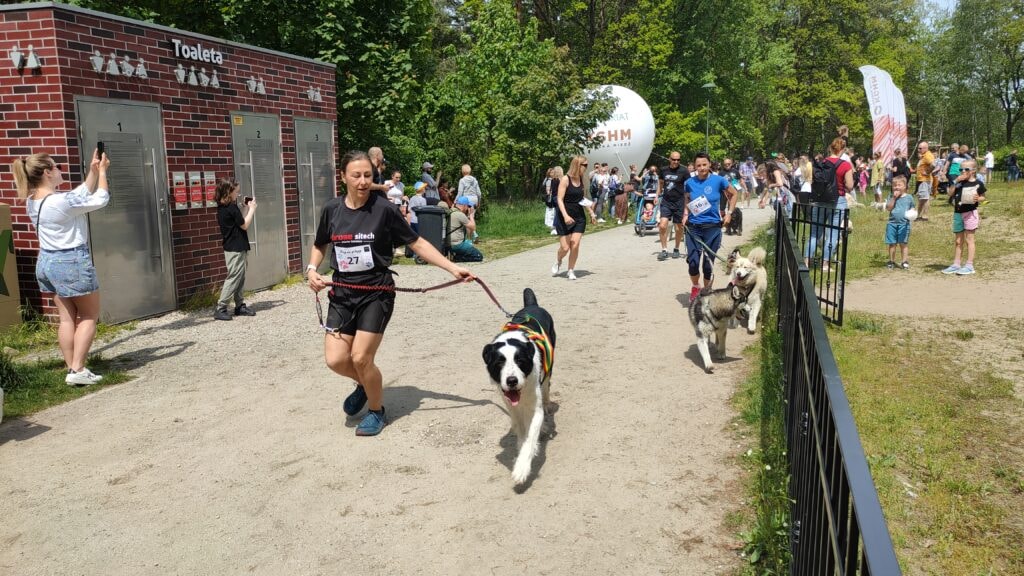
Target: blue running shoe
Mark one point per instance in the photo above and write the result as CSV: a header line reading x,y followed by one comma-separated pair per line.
x,y
965,270
372,423
951,269
355,401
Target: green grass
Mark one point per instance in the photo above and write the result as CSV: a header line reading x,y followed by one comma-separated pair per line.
x,y
34,386
941,430
36,333
760,405
931,243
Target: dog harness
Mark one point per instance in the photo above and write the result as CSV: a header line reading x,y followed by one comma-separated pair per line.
x,y
539,338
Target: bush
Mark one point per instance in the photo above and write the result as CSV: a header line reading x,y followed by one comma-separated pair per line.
x,y
9,374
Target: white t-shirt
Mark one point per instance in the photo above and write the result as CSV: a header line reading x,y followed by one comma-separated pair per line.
x,y
990,160
63,223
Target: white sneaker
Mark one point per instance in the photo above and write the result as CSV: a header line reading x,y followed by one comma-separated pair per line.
x,y
600,220
555,267
619,222
554,232
572,275
82,378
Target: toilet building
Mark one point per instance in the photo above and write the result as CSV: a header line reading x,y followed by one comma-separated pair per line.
x,y
176,111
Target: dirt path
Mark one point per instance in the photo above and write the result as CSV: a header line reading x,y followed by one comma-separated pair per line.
x,y
931,293
230,454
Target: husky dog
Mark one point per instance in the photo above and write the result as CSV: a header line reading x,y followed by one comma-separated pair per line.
x,y
749,312
711,312
735,226
519,361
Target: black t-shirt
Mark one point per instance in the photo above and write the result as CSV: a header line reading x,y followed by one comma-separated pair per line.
x,y
1011,160
230,219
672,180
900,166
363,240
979,188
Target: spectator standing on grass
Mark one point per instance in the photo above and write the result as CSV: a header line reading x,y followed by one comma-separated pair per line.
x,y
1012,168
877,176
551,198
234,234
900,165
897,231
990,163
417,200
468,186
64,265
380,183
432,195
969,192
925,167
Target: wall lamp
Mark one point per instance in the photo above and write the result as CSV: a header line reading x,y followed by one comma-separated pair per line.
x,y
22,61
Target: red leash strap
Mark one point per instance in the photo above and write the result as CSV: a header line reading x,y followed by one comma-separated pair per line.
x,y
392,288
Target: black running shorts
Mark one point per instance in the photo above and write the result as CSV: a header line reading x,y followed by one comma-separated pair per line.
x,y
350,311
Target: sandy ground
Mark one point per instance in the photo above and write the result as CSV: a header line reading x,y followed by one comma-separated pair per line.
x,y
931,293
229,452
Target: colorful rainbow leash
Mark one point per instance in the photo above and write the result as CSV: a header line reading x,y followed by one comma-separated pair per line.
x,y
540,339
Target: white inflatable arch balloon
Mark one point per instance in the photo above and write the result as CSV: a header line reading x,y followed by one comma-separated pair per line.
x,y
628,134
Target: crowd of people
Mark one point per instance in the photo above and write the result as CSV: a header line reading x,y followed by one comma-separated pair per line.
x,y
359,230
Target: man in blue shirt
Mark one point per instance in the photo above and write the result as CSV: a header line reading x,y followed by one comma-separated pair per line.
x,y
703,220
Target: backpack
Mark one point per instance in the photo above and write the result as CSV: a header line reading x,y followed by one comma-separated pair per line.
x,y
824,187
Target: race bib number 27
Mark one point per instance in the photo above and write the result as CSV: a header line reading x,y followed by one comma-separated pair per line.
x,y
354,258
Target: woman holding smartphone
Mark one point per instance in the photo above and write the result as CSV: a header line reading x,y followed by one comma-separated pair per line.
x,y
64,266
233,230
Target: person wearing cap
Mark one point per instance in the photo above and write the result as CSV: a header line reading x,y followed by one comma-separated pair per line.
x,y
431,194
461,226
415,201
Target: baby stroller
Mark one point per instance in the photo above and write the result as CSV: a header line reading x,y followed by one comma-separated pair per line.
x,y
641,226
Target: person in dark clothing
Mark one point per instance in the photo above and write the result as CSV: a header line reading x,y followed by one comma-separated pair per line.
x,y
1012,168
233,231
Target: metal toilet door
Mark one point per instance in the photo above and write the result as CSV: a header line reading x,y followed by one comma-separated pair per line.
x,y
314,144
130,237
256,141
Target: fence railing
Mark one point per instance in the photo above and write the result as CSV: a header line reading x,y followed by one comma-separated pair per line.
x,y
837,522
822,232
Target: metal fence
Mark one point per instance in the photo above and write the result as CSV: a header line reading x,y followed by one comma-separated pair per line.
x,y
822,233
836,519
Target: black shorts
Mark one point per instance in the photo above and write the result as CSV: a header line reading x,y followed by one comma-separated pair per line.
x,y
349,311
672,210
578,226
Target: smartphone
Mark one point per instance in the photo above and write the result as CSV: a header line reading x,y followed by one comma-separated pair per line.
x,y
246,200
100,149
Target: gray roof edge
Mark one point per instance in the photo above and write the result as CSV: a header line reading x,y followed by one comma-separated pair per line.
x,y
104,15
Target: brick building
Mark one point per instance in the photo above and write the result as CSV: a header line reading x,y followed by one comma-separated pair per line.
x,y
175,111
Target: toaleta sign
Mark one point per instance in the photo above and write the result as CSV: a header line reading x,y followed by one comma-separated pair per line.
x,y
196,52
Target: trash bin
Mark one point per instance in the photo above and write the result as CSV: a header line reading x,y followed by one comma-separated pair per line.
x,y
432,221
10,300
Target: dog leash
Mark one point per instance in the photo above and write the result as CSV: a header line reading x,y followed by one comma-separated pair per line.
x,y
707,249
393,288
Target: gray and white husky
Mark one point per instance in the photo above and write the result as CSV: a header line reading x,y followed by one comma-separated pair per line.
x,y
711,312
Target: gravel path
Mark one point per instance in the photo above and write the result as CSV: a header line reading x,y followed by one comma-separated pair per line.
x,y
229,453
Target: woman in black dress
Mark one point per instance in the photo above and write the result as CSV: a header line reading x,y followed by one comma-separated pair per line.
x,y
570,220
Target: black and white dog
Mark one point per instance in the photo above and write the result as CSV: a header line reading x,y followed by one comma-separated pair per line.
x,y
519,361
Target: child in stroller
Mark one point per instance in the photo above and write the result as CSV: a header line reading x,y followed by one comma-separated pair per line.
x,y
646,213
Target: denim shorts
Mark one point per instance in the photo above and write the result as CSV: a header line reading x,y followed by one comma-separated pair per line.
x,y
897,233
66,273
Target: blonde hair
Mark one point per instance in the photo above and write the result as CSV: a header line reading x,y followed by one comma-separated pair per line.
x,y
30,171
576,167
557,172
466,170
807,171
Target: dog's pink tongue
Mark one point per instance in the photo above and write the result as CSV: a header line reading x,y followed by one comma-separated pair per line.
x,y
513,396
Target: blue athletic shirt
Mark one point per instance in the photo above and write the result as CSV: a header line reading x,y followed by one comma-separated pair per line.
x,y
713,188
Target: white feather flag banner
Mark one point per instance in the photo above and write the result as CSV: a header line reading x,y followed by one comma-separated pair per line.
x,y
888,112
